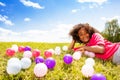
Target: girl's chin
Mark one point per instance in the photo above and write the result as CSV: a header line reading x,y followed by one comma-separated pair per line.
x,y
86,41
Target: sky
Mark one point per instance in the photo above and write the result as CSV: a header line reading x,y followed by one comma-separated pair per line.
x,y
51,20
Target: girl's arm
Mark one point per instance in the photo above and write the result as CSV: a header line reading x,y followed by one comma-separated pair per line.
x,y
95,49
72,44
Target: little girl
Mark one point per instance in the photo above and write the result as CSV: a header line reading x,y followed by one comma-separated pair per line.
x,y
94,42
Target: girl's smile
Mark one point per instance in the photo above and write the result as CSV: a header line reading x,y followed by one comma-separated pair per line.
x,y
83,35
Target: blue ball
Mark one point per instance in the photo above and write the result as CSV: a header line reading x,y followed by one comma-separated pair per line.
x,y
39,59
50,62
98,77
27,48
68,59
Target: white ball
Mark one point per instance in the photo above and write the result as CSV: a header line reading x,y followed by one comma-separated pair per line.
x,y
65,48
90,61
40,70
13,60
13,68
57,50
14,47
25,63
27,54
87,70
77,55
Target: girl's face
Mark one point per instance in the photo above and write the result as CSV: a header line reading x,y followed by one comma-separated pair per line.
x,y
83,35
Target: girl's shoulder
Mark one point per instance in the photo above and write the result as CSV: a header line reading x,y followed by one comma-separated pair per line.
x,y
97,35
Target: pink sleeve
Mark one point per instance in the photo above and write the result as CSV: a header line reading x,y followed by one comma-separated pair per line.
x,y
96,39
76,48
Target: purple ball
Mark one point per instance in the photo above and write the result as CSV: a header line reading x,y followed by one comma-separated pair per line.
x,y
98,77
39,59
68,59
27,48
50,62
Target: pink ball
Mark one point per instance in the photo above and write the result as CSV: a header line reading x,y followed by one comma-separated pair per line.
x,y
40,70
21,48
36,53
90,54
10,52
48,54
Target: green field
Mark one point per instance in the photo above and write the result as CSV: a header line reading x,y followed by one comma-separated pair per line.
x,y
61,71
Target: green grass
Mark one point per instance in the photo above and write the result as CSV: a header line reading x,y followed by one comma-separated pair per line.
x,y
61,71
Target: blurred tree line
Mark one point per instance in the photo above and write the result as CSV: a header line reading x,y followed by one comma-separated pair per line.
x,y
112,31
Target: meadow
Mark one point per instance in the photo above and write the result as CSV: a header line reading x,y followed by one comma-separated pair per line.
x,y
61,70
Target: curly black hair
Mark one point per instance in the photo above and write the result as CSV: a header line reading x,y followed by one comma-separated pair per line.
x,y
74,32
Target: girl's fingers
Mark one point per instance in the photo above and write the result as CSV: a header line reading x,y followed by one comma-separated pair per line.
x,y
81,49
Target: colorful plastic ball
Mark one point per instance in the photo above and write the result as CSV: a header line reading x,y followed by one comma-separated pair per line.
x,y
90,61
25,63
68,59
21,48
27,48
57,50
10,52
77,55
90,54
27,54
40,70
36,53
87,70
51,50
50,62
64,48
98,76
13,60
39,59
13,66
48,54
15,47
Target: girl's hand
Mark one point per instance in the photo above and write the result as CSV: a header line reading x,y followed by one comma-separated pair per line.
x,y
81,48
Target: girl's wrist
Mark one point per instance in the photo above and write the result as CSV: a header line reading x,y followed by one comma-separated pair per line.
x,y
74,41
85,47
